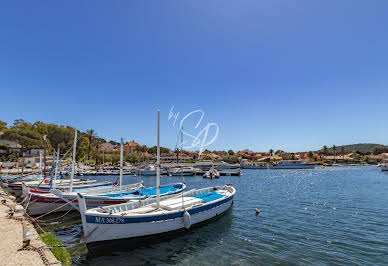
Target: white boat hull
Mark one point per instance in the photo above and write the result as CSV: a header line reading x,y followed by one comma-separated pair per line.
x,y
306,166
147,172
384,167
101,232
254,167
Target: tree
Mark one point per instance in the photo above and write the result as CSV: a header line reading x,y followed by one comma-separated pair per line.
x,y
279,152
82,148
60,137
270,152
334,149
114,143
343,152
230,152
142,148
324,150
26,138
153,150
3,126
91,134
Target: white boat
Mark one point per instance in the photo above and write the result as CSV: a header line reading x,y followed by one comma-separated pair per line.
x,y
206,165
154,216
292,164
148,170
255,166
145,218
181,171
384,167
212,173
59,201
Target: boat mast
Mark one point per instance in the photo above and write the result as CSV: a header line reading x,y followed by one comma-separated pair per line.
x,y
44,156
73,162
158,168
40,163
121,163
56,169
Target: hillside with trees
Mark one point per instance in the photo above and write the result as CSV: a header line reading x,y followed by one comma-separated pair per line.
x,y
361,148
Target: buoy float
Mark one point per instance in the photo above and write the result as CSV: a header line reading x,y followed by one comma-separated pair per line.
x,y
257,211
186,219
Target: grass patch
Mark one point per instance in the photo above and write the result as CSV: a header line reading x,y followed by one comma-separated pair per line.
x,y
59,252
6,191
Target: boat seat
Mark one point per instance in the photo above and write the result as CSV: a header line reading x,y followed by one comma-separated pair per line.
x,y
141,210
176,203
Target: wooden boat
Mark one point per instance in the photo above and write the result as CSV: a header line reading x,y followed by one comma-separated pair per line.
x,y
154,215
151,217
57,200
181,171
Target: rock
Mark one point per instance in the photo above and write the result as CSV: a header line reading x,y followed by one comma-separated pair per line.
x,y
19,208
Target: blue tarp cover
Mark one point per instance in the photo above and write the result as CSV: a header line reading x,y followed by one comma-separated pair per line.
x,y
209,196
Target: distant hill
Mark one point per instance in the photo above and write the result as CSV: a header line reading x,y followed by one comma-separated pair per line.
x,y
361,147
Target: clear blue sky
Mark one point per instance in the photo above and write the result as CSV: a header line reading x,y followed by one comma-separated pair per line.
x,y
291,75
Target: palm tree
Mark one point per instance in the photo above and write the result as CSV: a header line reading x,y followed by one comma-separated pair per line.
x,y
270,152
325,150
343,152
91,135
334,147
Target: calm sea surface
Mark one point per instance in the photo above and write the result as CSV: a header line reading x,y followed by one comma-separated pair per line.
x,y
336,216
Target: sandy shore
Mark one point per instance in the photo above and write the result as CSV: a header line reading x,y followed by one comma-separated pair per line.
x,y
11,239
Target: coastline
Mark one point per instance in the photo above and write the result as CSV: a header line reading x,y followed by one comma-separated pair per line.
x,y
20,243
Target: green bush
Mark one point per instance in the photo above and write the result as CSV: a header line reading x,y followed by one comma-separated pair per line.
x,y
59,252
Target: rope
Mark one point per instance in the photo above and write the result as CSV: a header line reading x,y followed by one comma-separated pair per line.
x,y
55,218
52,211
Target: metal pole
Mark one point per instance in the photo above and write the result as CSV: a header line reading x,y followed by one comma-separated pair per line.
x,y
56,169
158,168
121,164
73,162
44,156
40,163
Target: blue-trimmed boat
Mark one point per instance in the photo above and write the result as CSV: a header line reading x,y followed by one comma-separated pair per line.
x,y
146,218
154,216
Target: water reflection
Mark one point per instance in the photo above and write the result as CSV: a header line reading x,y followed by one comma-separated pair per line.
x,y
167,248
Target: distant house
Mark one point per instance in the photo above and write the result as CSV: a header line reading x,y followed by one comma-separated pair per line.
x,y
383,156
131,146
16,147
106,147
11,144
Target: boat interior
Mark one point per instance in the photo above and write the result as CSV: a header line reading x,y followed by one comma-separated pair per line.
x,y
168,203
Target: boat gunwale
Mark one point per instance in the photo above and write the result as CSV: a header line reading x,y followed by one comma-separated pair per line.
x,y
89,214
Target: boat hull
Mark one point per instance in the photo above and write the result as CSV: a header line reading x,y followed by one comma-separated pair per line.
x,y
147,172
43,203
99,228
305,166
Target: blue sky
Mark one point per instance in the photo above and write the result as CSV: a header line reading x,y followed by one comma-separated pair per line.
x,y
290,75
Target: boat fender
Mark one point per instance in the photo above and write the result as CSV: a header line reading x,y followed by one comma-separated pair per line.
x,y
187,219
